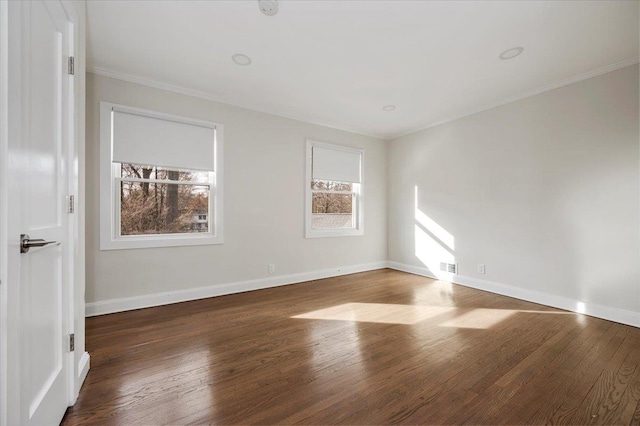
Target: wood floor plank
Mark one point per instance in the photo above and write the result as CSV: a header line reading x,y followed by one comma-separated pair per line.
x,y
635,420
568,385
545,358
414,373
606,393
558,342
585,377
631,397
548,374
381,347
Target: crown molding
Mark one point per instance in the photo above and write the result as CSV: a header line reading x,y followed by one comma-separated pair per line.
x,y
213,98
521,96
351,129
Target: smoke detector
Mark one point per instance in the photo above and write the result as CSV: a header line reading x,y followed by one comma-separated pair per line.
x,y
511,53
268,7
241,59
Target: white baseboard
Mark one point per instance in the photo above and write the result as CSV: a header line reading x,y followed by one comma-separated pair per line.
x,y
599,311
146,301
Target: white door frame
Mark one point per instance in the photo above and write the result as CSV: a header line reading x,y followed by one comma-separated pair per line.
x,y
79,359
4,34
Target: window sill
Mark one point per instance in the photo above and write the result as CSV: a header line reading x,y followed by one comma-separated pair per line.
x,y
155,241
314,233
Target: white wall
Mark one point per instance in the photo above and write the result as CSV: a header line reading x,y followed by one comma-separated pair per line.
x,y
544,191
263,202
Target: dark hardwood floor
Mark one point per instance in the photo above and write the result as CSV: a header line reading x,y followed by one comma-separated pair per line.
x,y
378,347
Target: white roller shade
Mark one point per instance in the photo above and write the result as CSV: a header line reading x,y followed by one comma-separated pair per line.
x,y
336,164
154,141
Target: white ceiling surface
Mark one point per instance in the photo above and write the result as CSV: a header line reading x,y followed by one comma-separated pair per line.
x,y
337,63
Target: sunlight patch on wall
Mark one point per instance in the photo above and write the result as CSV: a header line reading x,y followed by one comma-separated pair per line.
x,y
431,253
433,243
432,226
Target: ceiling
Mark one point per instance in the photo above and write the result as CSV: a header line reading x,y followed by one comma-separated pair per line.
x,y
337,63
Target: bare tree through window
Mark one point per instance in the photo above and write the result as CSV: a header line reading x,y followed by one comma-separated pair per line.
x,y
151,204
332,204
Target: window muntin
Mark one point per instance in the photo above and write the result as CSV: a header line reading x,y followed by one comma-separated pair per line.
x,y
334,190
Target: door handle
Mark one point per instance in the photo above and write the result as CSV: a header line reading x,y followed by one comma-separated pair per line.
x,y
26,243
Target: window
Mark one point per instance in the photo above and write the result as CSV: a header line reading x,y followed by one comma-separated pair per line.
x,y
160,179
334,190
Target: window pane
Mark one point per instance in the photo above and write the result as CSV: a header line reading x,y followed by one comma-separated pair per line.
x,y
332,211
329,185
160,208
152,172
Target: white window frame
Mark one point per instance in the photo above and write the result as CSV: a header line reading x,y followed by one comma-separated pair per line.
x,y
358,229
110,238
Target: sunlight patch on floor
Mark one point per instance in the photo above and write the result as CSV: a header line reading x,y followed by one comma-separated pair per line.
x,y
377,312
479,318
386,313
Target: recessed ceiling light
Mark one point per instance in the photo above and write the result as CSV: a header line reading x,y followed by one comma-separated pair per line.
x,y
511,53
388,108
241,59
268,7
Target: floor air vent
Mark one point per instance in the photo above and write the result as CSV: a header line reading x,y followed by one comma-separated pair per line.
x,y
451,268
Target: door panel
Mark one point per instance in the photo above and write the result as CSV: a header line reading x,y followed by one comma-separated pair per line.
x,y
41,185
45,141
44,275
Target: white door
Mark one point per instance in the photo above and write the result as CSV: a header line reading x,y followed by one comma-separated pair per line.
x,y
38,170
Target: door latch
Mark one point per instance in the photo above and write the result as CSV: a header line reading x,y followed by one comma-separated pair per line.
x,y
26,243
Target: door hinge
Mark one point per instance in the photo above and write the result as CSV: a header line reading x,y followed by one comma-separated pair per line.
x,y
72,342
71,69
72,207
